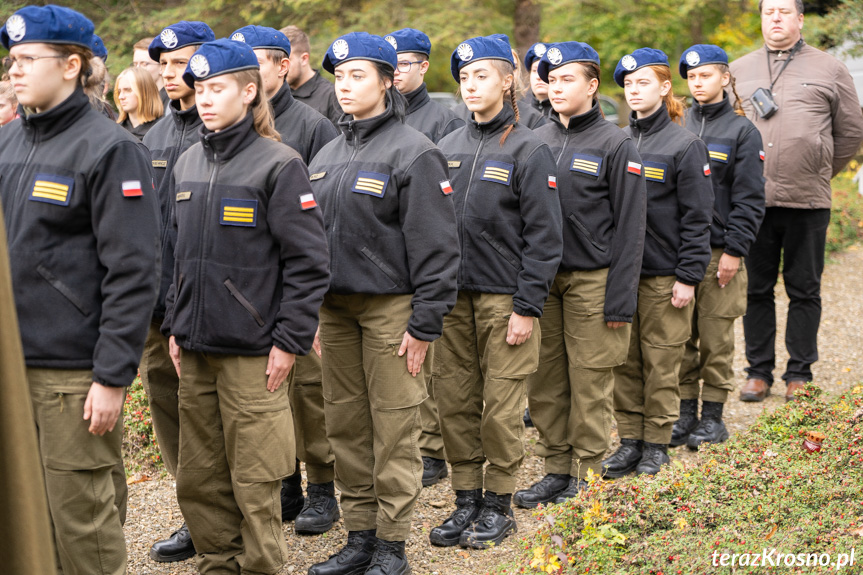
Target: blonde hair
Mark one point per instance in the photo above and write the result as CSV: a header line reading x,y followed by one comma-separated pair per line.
x,y
150,105
86,56
7,92
672,103
262,113
724,69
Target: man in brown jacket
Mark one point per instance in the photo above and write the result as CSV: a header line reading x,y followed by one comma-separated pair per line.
x,y
815,130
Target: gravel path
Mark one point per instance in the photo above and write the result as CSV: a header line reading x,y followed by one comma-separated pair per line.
x,y
153,510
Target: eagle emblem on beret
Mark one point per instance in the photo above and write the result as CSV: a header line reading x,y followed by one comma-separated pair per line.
x,y
628,62
539,50
465,52
555,56
16,27
168,38
692,58
199,65
238,36
341,49
392,41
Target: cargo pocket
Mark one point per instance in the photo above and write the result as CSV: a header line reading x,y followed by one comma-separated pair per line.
x,y
382,265
504,361
245,303
265,437
597,346
501,249
390,384
64,290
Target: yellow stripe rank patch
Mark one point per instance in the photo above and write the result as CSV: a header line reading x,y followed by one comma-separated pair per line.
x,y
52,189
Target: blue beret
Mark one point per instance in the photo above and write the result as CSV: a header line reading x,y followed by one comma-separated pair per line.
x,y
99,49
699,55
565,53
179,35
494,47
534,53
263,37
409,40
49,24
359,46
219,57
639,59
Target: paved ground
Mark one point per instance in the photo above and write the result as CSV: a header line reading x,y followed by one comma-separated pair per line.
x,y
153,510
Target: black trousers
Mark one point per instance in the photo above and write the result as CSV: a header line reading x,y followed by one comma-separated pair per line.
x,y
796,239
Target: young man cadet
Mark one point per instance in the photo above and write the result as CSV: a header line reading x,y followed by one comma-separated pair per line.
x,y
307,83
435,121
306,131
169,138
83,234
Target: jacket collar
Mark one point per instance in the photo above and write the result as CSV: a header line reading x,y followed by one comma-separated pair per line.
x,y
417,99
710,112
307,89
187,118
543,107
58,119
581,122
358,131
651,124
282,100
229,142
503,119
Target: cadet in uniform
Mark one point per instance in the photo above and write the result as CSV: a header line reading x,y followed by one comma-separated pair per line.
x,y
536,96
306,131
83,235
169,138
676,253
435,121
586,321
394,257
250,274
307,84
504,187
736,169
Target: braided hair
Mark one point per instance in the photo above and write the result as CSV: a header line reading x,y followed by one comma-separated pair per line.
x,y
505,69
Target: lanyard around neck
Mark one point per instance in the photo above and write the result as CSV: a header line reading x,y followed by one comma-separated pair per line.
x,y
794,50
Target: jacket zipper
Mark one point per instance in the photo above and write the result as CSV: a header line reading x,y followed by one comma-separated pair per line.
x,y
336,212
198,299
170,211
563,149
700,132
467,194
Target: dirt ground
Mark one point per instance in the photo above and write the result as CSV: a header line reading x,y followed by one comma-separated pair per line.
x,y
153,511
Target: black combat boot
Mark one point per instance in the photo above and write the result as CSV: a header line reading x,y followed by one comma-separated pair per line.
x,y
494,523
711,429
575,485
545,490
352,559
624,460
467,506
292,495
528,422
320,511
177,547
686,423
433,470
655,456
389,559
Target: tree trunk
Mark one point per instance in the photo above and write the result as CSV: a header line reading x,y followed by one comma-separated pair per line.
x,y
526,25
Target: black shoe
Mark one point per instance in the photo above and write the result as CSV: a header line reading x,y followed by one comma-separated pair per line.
x,y
177,547
654,457
467,506
575,485
433,470
352,559
320,511
389,559
545,490
528,422
711,429
292,496
494,524
686,423
624,460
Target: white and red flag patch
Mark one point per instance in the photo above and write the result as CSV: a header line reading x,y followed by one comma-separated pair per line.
x,y
761,155
445,187
706,169
633,168
132,189
552,182
307,201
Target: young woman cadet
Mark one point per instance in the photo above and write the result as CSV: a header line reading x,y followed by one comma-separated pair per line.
x,y
586,320
394,258
509,223
676,253
736,168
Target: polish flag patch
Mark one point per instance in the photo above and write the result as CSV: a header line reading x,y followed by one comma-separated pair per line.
x,y
706,169
761,155
445,187
633,168
307,202
552,182
132,189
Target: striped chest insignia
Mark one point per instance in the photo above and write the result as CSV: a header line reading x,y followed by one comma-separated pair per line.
x,y
446,187
499,172
318,176
132,189
243,213
586,164
371,183
633,168
160,163
719,152
50,189
552,182
655,171
307,202
453,164
761,154
706,169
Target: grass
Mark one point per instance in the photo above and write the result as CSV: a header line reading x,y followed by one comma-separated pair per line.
x,y
758,491
846,217
140,449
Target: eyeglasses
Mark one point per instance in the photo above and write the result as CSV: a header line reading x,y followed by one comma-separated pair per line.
x,y
25,63
143,64
405,66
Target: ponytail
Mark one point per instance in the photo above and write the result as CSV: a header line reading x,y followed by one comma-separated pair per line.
x,y
674,105
591,71
398,103
262,113
738,107
505,69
